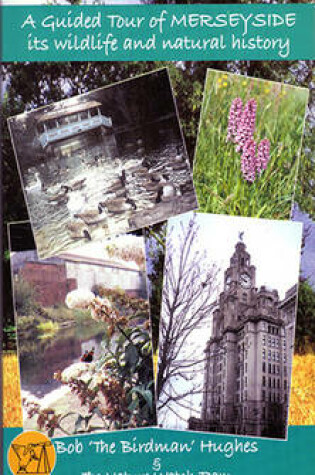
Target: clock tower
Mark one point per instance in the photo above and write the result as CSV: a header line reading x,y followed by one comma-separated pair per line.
x,y
247,364
239,277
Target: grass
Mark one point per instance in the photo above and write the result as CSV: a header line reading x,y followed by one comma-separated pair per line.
x,y
48,327
12,406
302,400
50,318
218,180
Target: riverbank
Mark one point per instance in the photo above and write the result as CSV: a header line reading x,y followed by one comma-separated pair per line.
x,y
52,318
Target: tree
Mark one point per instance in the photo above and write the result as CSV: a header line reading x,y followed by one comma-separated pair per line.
x,y
31,85
155,252
187,300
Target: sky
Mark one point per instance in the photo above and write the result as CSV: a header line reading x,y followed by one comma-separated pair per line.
x,y
274,247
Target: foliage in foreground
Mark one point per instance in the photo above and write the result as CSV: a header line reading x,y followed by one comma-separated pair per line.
x,y
218,178
117,389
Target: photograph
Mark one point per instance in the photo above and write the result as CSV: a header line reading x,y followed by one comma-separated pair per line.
x,y
104,162
248,146
83,334
228,324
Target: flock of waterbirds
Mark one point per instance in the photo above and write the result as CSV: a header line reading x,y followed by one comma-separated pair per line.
x,y
137,185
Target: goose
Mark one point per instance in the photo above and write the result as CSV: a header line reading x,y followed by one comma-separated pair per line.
x,y
92,216
61,195
119,205
116,186
78,184
35,187
179,156
151,186
166,193
156,176
78,230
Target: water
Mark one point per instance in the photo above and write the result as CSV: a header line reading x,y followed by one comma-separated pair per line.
x,y
41,358
50,219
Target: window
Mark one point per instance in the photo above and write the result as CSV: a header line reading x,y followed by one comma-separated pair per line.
x,y
264,354
264,367
264,381
269,368
263,395
269,355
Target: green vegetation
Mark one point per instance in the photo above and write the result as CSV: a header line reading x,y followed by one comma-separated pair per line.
x,y
305,324
219,182
41,319
38,84
24,294
49,328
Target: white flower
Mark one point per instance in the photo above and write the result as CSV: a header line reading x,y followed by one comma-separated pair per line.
x,y
79,298
95,381
73,371
86,377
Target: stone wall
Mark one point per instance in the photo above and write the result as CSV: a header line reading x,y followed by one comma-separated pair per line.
x,y
50,281
89,275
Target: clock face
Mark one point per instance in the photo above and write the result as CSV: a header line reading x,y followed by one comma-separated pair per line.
x,y
245,281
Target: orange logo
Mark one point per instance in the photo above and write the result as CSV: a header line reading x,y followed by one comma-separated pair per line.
x,y
31,453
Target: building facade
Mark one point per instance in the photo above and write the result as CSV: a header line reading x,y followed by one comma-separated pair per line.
x,y
248,357
53,278
63,132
